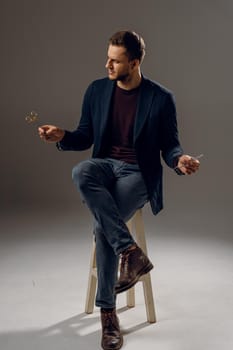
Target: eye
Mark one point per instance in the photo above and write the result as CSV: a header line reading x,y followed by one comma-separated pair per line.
x,y
112,60
115,61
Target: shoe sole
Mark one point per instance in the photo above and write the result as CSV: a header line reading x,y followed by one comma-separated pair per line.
x,y
144,271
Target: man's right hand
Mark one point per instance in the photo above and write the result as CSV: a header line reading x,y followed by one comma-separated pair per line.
x,y
51,133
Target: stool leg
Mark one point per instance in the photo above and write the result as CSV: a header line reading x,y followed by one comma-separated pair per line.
x,y
146,280
130,294
130,297
92,282
149,300
140,231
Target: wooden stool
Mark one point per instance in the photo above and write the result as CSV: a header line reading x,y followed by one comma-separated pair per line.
x,y
135,225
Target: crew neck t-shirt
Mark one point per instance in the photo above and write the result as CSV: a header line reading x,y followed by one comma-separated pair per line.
x,y
123,112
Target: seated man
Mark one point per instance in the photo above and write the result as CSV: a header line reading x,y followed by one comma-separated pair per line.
x,y
131,121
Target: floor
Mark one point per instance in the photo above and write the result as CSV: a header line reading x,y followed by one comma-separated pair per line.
x,y
44,260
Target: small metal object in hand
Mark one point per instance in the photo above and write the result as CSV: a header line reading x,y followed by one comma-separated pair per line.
x,y
198,157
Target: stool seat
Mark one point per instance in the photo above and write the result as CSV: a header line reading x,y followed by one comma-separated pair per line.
x,y
136,227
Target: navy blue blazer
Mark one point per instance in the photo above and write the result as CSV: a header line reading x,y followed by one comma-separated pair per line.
x,y
155,131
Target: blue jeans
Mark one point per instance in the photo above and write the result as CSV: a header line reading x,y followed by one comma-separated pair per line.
x,y
113,190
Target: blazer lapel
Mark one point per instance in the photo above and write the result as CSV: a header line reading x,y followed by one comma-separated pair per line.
x,y
106,104
144,105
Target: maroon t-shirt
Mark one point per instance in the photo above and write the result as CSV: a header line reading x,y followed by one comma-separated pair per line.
x,y
124,107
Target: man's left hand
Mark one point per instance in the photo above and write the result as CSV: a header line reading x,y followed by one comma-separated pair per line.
x,y
188,165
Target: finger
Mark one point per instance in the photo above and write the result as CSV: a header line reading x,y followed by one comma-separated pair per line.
x,y
182,169
47,128
41,133
52,131
42,130
192,170
194,167
50,138
49,131
44,127
191,163
188,170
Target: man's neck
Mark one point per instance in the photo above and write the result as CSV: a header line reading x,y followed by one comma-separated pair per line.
x,y
131,82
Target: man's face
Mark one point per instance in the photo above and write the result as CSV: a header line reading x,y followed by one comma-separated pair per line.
x,y
118,64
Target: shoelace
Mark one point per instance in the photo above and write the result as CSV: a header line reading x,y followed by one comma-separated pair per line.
x,y
124,264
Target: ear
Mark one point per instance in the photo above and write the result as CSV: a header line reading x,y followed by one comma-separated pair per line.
x,y
134,63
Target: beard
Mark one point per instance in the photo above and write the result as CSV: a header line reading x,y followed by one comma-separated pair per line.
x,y
122,77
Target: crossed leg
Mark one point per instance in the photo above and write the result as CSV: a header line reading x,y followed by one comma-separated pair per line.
x,y
113,191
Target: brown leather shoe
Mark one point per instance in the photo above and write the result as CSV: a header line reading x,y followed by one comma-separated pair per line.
x,y
111,336
134,264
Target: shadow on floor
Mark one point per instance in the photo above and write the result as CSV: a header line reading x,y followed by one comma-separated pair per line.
x,y
79,332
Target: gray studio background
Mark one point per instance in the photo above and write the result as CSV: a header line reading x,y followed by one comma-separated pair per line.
x,y
50,51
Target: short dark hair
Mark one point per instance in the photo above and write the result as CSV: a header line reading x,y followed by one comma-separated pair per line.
x,y
134,43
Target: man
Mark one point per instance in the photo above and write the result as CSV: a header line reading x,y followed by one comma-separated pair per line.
x,y
130,120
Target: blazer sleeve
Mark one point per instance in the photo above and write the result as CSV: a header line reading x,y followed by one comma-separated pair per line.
x,y
81,138
169,141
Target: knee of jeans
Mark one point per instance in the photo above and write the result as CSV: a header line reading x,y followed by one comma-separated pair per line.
x,y
80,173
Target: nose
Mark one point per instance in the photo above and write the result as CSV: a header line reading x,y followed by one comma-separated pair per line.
x,y
108,63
